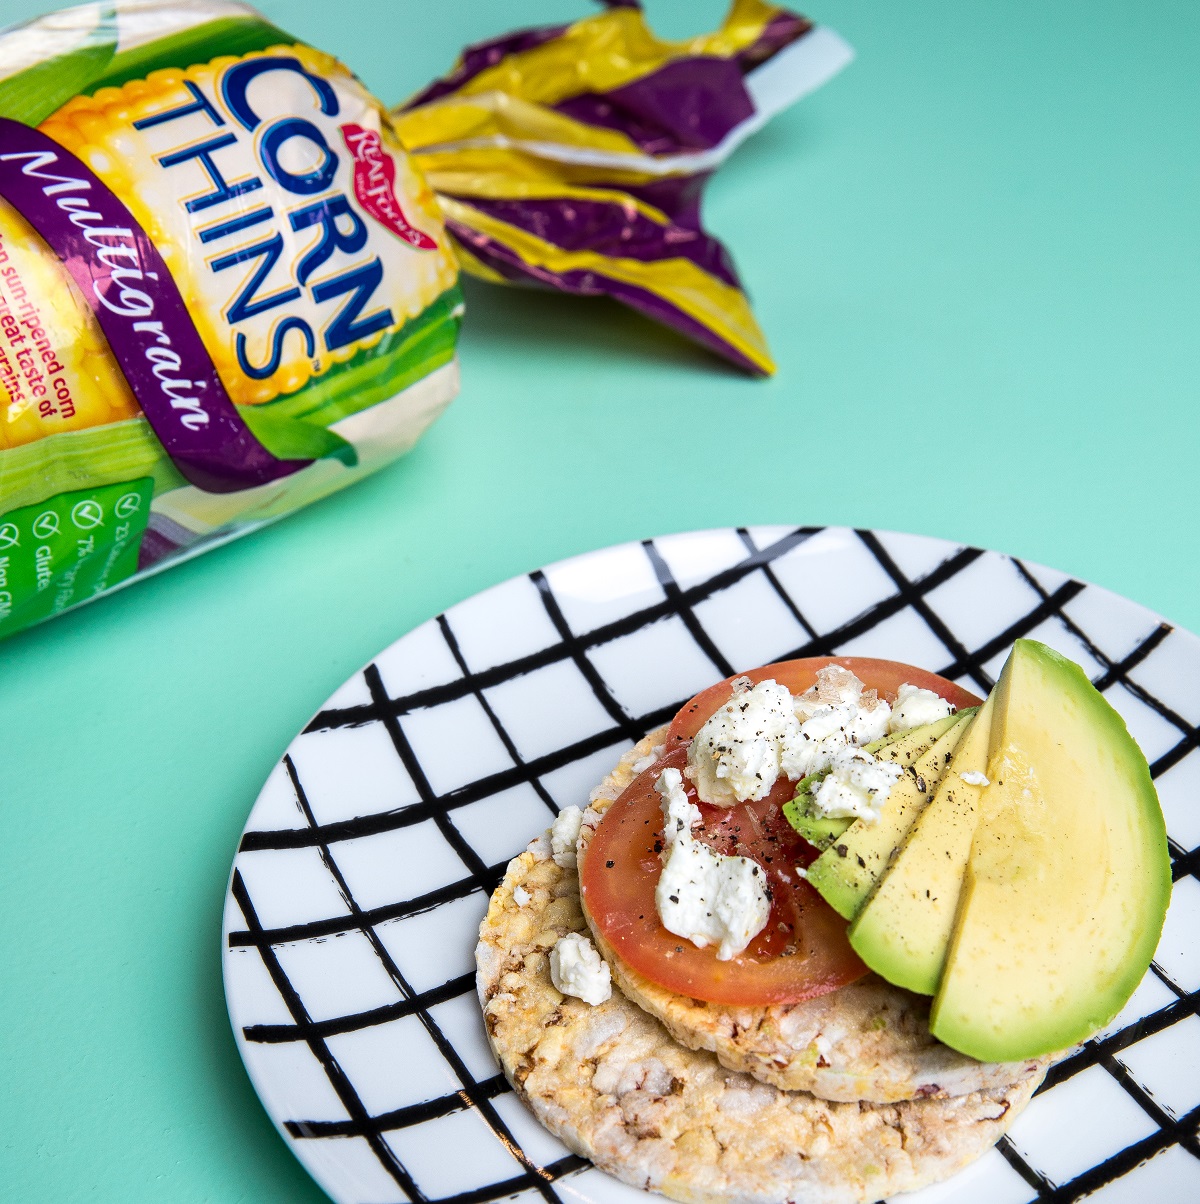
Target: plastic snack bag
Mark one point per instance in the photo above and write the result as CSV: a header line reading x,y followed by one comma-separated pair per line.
x,y
228,289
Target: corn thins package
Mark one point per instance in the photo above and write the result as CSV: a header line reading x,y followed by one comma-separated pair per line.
x,y
228,277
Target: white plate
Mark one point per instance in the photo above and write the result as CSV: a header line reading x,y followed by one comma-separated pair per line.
x,y
365,866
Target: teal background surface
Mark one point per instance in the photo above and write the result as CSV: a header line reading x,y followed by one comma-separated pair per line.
x,y
975,254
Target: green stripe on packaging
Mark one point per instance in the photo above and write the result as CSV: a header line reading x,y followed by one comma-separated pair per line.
x,y
200,44
376,373
31,95
94,457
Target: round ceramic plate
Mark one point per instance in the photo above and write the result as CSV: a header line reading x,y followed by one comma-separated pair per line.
x,y
366,864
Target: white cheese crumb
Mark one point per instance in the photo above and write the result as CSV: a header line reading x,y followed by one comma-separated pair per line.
x,y
836,714
735,755
564,836
916,707
857,786
680,814
975,778
644,763
702,895
577,969
521,896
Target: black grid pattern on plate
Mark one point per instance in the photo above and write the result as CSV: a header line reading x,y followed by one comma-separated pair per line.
x,y
963,663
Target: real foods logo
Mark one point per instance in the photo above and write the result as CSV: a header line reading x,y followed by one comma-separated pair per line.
x,y
375,185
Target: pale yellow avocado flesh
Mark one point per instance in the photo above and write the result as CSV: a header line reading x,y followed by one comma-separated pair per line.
x,y
846,874
903,932
1068,878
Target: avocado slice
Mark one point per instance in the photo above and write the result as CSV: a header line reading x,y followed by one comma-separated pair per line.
x,y
819,830
902,747
903,932
846,873
1069,876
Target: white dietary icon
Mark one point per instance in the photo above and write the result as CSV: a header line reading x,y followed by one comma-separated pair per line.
x,y
127,504
46,524
10,536
87,514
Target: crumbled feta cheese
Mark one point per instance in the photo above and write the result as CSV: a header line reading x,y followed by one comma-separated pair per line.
x,y
564,836
857,786
975,778
712,900
831,731
702,895
916,707
644,763
521,896
735,755
577,969
763,731
836,714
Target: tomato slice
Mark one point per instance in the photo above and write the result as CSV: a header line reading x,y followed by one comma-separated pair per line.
x,y
803,951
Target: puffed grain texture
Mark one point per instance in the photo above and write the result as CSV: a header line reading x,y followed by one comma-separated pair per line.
x,y
615,1087
867,1041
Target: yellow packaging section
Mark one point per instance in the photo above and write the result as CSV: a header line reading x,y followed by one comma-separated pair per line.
x,y
56,371
709,301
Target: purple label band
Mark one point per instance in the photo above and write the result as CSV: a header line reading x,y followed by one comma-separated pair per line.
x,y
687,104
611,228
138,305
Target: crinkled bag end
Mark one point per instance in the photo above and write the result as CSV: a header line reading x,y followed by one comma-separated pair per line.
x,y
573,157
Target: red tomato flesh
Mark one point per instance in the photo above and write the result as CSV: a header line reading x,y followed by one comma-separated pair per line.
x,y
803,951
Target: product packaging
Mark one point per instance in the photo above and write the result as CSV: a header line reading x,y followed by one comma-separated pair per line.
x,y
229,278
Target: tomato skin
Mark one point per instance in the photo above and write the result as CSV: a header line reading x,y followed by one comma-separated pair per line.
x,y
803,951
886,677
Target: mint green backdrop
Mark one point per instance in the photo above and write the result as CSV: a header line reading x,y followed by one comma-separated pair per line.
x,y
975,255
